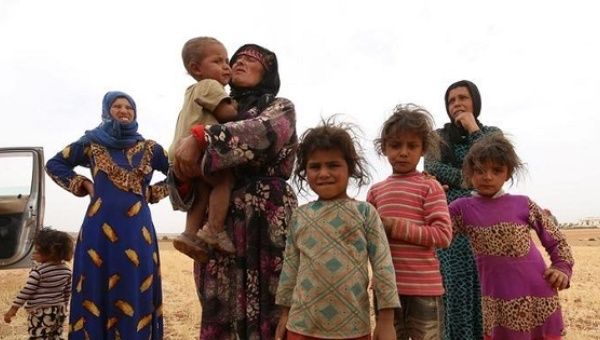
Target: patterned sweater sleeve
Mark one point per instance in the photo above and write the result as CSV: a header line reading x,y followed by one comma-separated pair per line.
x,y
29,289
437,229
60,167
448,174
250,140
289,272
384,276
552,239
160,162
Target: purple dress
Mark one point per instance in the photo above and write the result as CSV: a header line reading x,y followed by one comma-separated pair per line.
x,y
517,302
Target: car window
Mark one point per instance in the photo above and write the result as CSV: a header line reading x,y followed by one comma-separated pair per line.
x,y
21,203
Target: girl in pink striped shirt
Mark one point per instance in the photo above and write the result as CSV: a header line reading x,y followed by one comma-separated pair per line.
x,y
413,208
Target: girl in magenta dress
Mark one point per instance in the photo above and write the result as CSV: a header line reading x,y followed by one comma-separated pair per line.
x,y
519,292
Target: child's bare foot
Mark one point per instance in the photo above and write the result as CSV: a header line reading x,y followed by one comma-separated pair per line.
x,y
224,243
191,247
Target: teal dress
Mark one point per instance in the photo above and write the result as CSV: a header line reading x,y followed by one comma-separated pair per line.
x,y
116,291
462,299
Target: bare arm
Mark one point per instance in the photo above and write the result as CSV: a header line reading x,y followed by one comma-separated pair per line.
x,y
226,111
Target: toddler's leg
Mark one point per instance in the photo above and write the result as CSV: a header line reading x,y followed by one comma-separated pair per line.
x,y
218,207
195,216
187,242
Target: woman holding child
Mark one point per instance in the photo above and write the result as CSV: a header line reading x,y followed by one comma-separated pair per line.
x,y
237,291
462,308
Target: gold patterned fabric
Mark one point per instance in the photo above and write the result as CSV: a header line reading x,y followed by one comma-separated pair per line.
x,y
116,252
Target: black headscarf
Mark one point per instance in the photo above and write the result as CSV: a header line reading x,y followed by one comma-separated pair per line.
x,y
451,133
264,93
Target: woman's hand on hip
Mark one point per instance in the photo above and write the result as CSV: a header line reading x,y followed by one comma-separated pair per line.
x,y
88,186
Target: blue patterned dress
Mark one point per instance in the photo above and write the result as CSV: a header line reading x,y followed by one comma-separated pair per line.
x,y
116,270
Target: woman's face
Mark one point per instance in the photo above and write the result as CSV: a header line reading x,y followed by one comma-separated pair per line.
x,y
459,100
247,72
122,111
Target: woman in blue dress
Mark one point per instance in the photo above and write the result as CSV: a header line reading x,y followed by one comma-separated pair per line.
x,y
116,270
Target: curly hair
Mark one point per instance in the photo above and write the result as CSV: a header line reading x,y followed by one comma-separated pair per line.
x,y
55,245
495,148
194,50
332,135
414,119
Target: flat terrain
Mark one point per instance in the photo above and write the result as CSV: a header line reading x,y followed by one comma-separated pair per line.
x,y
581,302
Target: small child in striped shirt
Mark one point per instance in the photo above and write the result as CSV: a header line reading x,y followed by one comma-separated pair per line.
x,y
46,294
413,208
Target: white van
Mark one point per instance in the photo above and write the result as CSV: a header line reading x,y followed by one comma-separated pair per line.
x,y
21,203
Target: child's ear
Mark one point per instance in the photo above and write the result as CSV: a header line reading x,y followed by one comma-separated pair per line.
x,y
195,69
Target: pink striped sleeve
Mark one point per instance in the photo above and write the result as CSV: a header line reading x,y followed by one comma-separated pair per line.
x,y
437,230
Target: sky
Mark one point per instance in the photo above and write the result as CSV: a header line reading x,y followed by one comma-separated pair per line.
x,y
535,63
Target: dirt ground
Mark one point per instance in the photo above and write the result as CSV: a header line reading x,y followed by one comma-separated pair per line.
x,y
580,303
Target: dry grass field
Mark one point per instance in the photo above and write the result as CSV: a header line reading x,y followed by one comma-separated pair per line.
x,y
581,302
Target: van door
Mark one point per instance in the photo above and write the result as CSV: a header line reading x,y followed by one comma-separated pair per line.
x,y
21,203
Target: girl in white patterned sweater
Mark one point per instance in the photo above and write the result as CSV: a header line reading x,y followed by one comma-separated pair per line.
x,y
46,294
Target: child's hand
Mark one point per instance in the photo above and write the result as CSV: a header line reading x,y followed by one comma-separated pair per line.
x,y
556,278
388,224
281,330
384,328
10,314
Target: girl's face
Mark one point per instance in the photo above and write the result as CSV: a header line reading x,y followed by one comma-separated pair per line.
x,y
37,256
122,111
459,100
489,178
404,151
247,71
327,174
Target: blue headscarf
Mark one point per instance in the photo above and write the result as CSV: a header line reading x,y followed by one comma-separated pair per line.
x,y
110,132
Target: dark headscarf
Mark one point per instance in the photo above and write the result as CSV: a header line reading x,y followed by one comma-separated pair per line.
x,y
451,133
110,132
264,93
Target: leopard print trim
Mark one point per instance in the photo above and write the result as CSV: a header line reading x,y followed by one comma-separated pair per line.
x,y
133,151
58,180
536,215
76,185
157,192
457,223
520,314
503,239
124,179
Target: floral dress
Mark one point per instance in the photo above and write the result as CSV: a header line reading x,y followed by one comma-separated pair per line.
x,y
116,270
238,292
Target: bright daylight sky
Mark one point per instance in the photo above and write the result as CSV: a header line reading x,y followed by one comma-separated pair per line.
x,y
535,63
